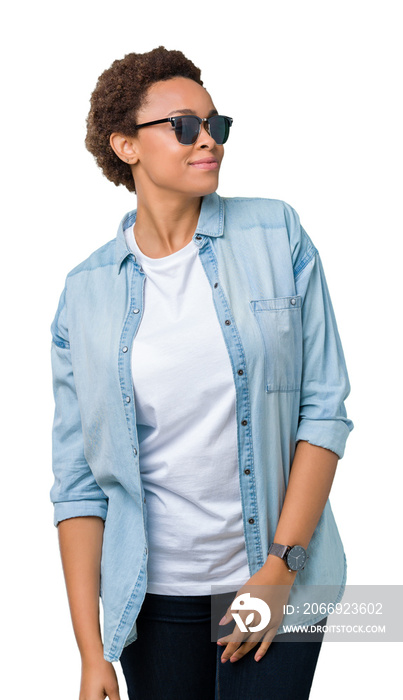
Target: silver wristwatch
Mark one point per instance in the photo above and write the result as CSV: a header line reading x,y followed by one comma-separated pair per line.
x,y
294,556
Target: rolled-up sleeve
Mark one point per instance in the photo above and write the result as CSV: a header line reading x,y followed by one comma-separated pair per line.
x,y
325,383
75,491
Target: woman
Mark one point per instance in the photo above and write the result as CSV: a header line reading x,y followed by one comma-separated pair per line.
x,y
199,385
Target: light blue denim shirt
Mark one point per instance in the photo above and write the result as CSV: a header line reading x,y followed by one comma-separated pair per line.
x,y
290,376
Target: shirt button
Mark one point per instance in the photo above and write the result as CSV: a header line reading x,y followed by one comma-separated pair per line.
x,y
244,422
247,471
124,349
136,311
127,399
251,521
293,301
134,450
215,285
240,371
198,238
227,322
144,499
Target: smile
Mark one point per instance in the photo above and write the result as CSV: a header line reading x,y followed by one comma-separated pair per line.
x,y
205,164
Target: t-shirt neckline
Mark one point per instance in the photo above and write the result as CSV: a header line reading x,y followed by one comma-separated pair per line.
x,y
187,250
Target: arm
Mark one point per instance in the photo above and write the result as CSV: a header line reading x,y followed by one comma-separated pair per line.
x,y
310,481
75,492
80,541
80,508
311,478
323,426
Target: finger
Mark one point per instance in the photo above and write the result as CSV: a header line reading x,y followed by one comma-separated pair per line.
x,y
268,638
226,618
232,647
236,637
235,651
241,651
228,652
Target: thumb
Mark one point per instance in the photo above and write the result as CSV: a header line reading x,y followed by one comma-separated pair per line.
x,y
112,691
226,618
114,695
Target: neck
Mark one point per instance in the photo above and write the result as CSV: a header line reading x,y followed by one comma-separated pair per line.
x,y
166,224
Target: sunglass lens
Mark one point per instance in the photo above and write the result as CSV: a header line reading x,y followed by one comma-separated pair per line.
x,y
187,130
219,129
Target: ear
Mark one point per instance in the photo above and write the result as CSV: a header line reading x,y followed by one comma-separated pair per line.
x,y
124,147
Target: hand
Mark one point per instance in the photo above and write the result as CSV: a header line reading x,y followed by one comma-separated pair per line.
x,y
270,587
98,680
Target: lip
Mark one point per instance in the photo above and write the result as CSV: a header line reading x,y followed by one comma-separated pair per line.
x,y
205,164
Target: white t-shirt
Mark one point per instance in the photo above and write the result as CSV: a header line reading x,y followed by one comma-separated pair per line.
x,y
185,407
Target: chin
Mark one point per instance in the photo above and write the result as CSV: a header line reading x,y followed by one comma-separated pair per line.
x,y
208,188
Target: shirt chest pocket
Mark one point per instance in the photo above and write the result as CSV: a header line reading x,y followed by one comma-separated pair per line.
x,y
279,322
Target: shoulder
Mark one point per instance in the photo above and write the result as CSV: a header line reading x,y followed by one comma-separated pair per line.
x,y
105,255
262,211
102,257
266,213
256,210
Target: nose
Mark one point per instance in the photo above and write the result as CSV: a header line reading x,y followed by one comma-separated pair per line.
x,y
204,140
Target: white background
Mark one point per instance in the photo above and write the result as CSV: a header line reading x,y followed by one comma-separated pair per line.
x,y
314,89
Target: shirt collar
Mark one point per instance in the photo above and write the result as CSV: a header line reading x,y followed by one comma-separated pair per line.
x,y
210,223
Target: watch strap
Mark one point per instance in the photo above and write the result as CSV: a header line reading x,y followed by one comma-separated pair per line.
x,y
279,550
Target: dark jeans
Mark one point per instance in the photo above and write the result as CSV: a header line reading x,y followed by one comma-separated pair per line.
x,y
173,657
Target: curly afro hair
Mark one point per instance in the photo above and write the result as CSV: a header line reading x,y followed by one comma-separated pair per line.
x,y
119,94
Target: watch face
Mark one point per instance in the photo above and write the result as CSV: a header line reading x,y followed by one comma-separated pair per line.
x,y
296,558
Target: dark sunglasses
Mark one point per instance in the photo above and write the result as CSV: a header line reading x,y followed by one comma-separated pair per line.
x,y
187,129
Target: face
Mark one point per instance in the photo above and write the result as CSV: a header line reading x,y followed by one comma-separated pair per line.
x,y
158,159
